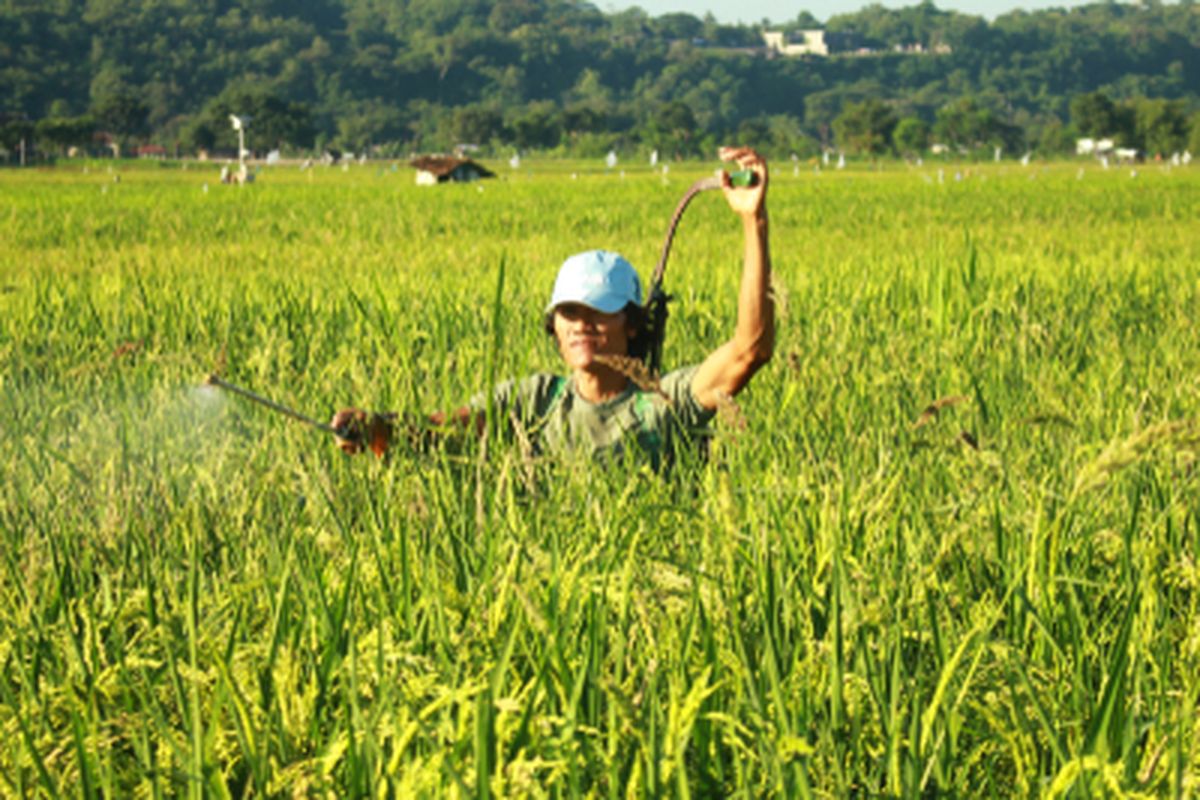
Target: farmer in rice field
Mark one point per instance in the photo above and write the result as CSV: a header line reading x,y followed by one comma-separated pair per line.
x,y
596,316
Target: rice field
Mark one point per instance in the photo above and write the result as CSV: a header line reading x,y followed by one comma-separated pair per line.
x,y
948,547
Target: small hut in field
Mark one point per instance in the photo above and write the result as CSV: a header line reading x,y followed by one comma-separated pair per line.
x,y
432,170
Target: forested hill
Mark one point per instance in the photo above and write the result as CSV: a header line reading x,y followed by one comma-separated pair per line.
x,y
425,74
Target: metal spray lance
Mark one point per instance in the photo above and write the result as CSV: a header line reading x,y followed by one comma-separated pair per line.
x,y
362,431
216,380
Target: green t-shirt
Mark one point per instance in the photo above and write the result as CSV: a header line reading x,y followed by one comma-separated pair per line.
x,y
554,419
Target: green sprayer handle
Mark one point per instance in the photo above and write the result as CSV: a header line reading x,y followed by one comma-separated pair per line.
x,y
743,178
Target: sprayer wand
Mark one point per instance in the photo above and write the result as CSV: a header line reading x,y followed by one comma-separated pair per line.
x,y
216,380
657,299
363,430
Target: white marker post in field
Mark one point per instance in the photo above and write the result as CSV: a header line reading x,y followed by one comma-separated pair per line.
x,y
239,125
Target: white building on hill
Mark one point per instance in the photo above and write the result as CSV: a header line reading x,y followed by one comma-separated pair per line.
x,y
814,44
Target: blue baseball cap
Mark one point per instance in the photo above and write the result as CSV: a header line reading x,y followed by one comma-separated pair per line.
x,y
598,279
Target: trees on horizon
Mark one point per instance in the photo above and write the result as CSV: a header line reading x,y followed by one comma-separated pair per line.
x,y
560,75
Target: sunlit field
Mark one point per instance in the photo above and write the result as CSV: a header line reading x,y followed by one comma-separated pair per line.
x,y
946,545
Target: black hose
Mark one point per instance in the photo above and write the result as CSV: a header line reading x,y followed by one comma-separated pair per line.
x,y
657,299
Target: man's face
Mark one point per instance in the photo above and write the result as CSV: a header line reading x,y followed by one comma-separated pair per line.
x,y
584,333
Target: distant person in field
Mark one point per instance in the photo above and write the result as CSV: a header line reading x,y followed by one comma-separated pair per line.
x,y
596,316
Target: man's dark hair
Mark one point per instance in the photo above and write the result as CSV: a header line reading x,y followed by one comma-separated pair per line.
x,y
635,317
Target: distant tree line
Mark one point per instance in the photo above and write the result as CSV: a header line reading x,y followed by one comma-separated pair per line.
x,y
397,76
1154,127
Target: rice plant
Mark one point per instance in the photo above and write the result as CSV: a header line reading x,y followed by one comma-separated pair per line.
x,y
945,545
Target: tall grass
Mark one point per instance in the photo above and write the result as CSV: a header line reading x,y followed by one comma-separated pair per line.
x,y
855,596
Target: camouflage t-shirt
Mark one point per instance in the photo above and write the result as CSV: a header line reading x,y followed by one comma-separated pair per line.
x,y
548,412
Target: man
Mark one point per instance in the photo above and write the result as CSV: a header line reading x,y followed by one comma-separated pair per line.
x,y
604,405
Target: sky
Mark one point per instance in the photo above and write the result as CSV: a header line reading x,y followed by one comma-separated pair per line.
x,y
753,11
